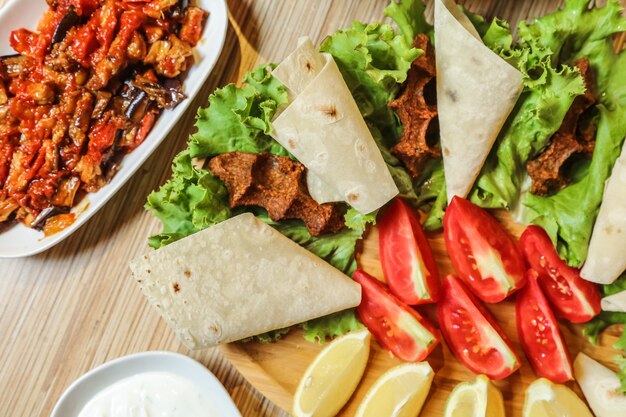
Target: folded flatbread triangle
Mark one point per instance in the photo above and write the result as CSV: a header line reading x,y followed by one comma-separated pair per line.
x,y
324,129
476,91
606,258
238,279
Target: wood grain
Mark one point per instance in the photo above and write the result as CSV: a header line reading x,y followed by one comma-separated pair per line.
x,y
74,307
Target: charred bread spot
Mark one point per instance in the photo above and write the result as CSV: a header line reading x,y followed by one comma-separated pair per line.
x,y
330,111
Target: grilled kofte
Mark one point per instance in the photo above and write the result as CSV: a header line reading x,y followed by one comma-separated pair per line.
x,y
81,92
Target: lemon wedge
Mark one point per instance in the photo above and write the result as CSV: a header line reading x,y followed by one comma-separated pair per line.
x,y
545,399
475,399
333,376
399,392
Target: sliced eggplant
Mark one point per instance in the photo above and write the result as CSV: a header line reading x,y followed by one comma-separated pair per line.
x,y
102,102
111,151
137,107
166,96
68,21
178,11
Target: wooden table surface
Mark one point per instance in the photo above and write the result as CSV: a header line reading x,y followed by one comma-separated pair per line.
x,y
74,307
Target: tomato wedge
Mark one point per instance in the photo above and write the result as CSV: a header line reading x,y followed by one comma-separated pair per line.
x,y
540,335
572,297
472,334
405,254
482,253
395,325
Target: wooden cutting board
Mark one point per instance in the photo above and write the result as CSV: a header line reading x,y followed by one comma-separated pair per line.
x,y
276,368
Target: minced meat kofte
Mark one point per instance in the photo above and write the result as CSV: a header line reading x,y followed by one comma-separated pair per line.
x,y
416,107
576,136
278,184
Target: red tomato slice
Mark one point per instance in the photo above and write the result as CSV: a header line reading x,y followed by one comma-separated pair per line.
x,y
572,297
482,253
395,325
539,333
407,259
472,334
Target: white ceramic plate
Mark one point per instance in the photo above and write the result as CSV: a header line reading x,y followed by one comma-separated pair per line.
x,y
94,381
21,241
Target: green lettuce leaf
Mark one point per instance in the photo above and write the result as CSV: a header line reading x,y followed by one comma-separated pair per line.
x,y
537,115
603,320
496,34
571,213
239,118
620,360
190,201
374,61
356,220
409,17
618,285
576,31
431,194
327,327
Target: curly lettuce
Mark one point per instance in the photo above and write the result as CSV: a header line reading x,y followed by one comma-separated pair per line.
x,y
239,118
192,200
374,61
569,214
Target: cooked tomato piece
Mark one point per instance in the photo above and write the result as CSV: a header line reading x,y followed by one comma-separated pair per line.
x,y
572,297
407,259
84,44
539,333
27,43
107,16
482,253
395,325
193,23
84,7
472,334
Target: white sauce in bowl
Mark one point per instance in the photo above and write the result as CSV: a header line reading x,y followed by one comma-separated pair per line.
x,y
150,394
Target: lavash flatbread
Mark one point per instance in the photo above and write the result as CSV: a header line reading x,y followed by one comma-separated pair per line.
x,y
237,279
323,128
606,258
476,91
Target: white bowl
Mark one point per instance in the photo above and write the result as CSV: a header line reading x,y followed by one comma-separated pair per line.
x,y
21,241
87,386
